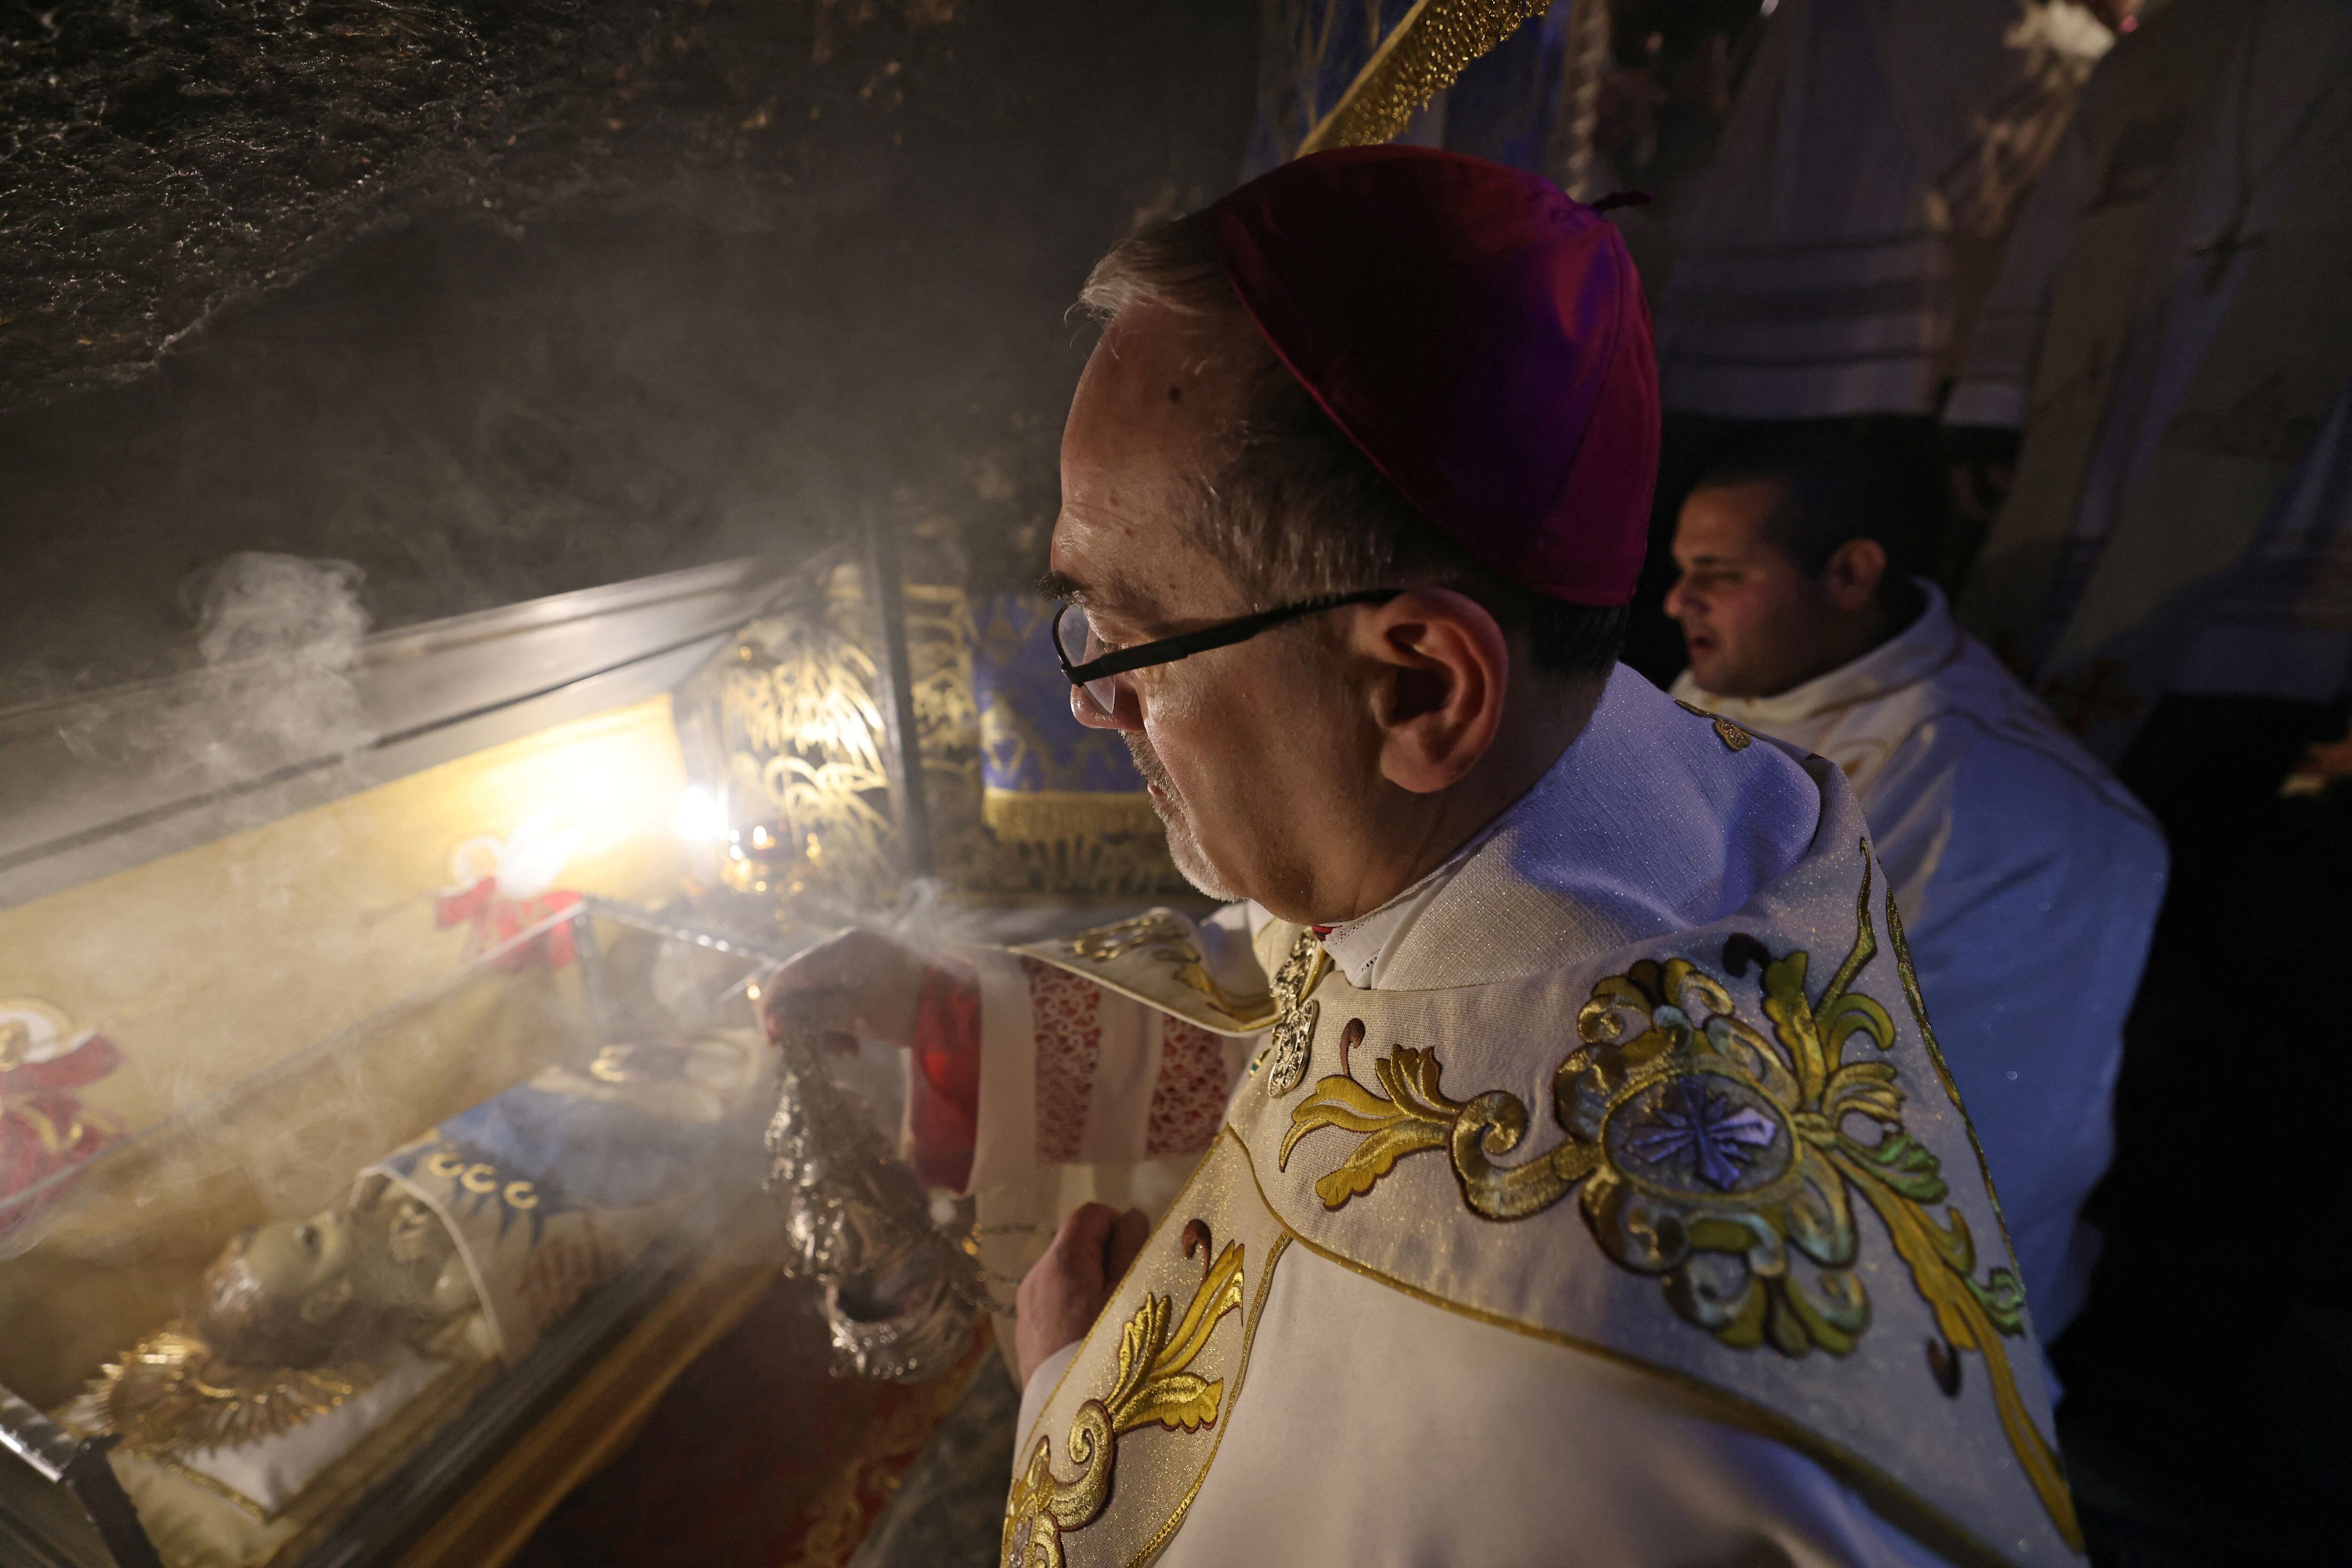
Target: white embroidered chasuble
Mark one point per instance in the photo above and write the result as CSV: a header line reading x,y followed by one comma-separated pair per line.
x,y
2029,881
1553,1245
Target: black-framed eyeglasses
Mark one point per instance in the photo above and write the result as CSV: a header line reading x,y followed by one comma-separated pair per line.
x,y
1093,675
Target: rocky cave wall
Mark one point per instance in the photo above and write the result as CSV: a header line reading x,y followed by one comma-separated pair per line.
x,y
501,302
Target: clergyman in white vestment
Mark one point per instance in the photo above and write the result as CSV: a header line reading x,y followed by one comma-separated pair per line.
x,y
2029,879
1552,1157
1820,270
2171,332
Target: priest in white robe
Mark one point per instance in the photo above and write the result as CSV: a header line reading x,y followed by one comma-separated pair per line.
x,y
1565,1170
1874,145
2029,879
2171,333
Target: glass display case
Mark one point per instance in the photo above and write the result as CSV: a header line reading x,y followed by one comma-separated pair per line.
x,y
369,1159
385,1299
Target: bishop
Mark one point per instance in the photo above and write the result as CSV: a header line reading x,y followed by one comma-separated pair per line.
x,y
1551,1156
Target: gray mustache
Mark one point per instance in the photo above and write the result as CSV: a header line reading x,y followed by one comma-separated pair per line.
x,y
1147,761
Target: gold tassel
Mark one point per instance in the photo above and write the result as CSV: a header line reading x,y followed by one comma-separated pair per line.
x,y
1066,817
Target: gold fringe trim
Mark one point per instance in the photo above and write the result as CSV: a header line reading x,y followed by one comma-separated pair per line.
x,y
1433,44
1065,816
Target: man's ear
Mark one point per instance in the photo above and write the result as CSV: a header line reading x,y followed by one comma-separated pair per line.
x,y
1855,571
1441,665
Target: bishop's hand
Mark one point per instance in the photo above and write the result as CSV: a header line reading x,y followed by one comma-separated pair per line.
x,y
859,985
1065,1290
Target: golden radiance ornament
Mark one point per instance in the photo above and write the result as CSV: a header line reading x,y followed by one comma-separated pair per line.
x,y
172,1395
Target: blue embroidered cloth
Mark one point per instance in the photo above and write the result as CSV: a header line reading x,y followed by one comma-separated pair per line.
x,y
1029,741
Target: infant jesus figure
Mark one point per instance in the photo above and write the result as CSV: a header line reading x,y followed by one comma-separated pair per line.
x,y
460,1247
298,1316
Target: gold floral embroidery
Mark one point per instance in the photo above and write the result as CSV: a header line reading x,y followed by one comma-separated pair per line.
x,y
1120,938
1729,733
1415,1115
1172,944
1154,1385
1909,975
1295,1012
1720,1161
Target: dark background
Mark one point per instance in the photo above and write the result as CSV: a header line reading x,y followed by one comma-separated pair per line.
x,y
583,306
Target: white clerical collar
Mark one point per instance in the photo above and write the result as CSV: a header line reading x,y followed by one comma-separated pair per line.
x,y
1912,655
1355,947
1358,946
1638,830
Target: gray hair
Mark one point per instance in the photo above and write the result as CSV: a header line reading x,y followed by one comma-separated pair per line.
x,y
1292,507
